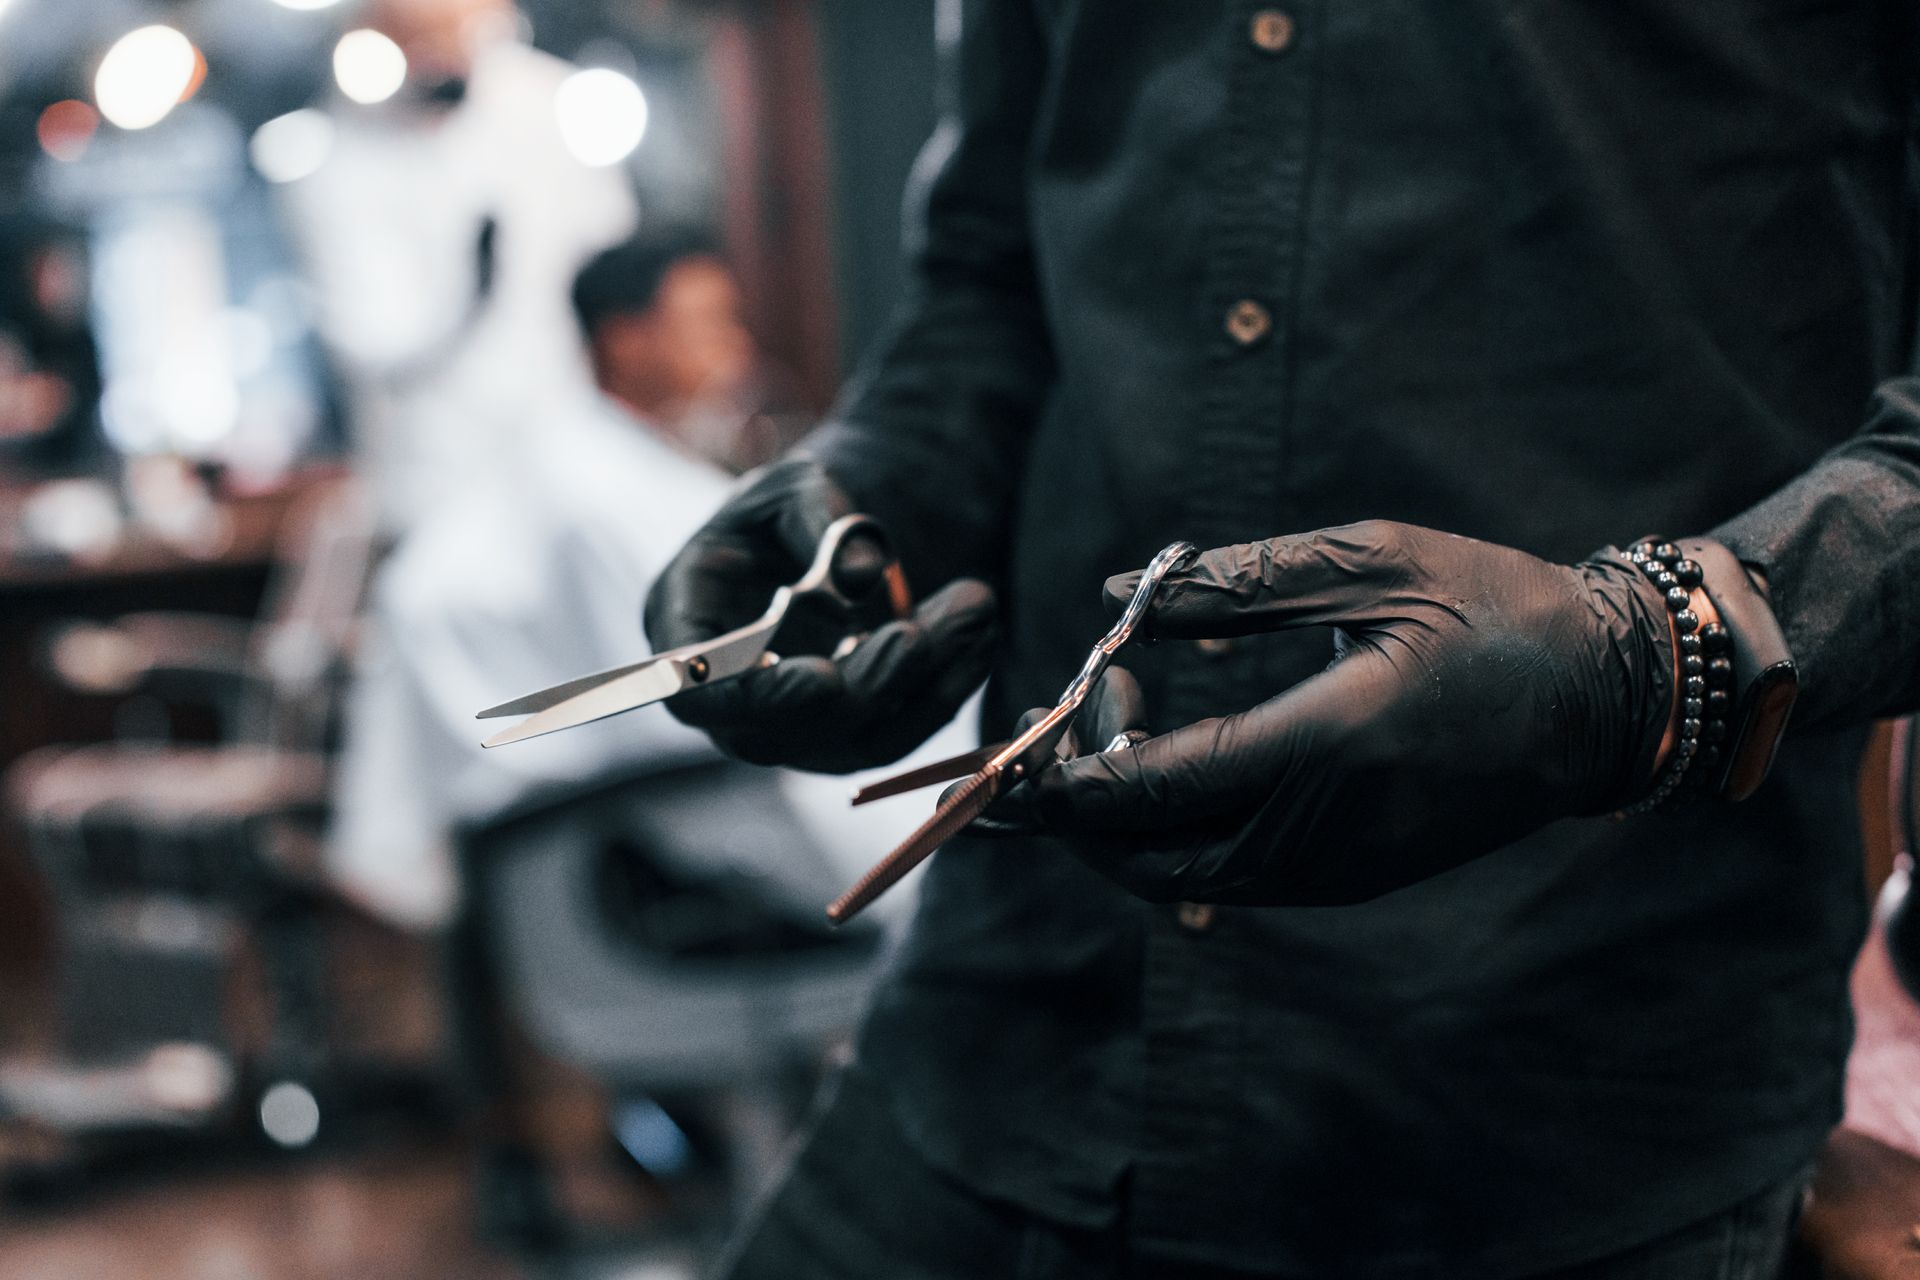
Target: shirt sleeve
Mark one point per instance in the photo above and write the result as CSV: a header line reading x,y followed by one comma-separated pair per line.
x,y
1840,548
931,434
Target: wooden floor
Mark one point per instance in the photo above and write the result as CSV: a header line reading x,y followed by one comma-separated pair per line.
x,y
399,1216
406,1213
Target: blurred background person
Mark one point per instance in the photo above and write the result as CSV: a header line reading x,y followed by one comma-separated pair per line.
x,y
441,234
523,580
515,583
512,583
674,349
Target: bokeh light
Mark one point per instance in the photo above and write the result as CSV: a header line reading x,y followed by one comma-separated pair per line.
x,y
290,147
368,66
145,75
290,1114
602,115
66,128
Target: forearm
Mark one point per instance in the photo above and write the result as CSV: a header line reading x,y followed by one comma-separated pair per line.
x,y
932,434
933,439
1839,549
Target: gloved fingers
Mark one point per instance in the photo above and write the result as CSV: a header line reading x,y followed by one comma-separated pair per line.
x,y
1194,865
1208,771
947,642
1343,574
1115,706
908,678
763,537
1040,755
790,689
868,707
791,500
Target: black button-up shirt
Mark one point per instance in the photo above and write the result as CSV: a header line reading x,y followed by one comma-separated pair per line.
x,y
1554,273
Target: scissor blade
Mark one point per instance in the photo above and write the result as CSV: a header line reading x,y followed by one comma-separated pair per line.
x,y
928,774
527,704
666,674
967,802
651,683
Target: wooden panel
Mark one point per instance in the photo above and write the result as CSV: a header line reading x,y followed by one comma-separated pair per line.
x,y
765,65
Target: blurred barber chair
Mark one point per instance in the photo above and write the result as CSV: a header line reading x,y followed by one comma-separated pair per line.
x,y
666,934
170,865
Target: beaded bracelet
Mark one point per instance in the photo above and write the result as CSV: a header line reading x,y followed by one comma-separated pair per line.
x,y
1704,671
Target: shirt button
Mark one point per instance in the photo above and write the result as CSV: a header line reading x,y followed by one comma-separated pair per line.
x,y
1272,31
1248,322
1195,917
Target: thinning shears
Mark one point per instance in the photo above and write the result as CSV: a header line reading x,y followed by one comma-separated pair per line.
x,y
853,585
991,770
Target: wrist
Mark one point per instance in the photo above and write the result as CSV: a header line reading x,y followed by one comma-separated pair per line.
x,y
1765,679
1733,678
1709,614
1702,672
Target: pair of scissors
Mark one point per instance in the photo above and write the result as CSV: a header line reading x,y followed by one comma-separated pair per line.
x,y
991,770
853,585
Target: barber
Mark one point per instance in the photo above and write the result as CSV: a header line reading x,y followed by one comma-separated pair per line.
x,y
1454,955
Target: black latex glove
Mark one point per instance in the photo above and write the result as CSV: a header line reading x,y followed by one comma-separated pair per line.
x,y
870,707
1477,693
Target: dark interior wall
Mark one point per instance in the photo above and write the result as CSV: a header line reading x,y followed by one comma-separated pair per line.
x,y
878,68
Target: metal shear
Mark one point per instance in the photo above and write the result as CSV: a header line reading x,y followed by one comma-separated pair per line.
x,y
853,584
991,770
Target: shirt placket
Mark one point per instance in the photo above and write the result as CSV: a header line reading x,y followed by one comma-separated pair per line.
x,y
1195,1060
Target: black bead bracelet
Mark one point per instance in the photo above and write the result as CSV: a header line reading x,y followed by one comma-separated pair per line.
x,y
1703,669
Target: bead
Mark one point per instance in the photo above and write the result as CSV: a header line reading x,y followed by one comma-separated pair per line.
x,y
1719,702
1689,572
1665,581
1690,645
1714,636
1693,708
1693,665
1678,597
1715,730
1689,728
1687,620
1719,671
1639,554
1667,551
1653,568
1685,751
1695,686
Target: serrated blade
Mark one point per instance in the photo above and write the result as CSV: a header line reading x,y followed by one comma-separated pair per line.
x,y
927,774
968,801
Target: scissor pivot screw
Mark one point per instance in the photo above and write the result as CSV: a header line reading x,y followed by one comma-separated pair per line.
x,y
698,670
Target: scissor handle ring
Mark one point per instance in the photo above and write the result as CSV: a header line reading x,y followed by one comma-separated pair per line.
x,y
821,578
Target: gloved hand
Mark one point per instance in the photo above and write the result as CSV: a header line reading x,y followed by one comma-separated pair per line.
x,y
871,706
1476,694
